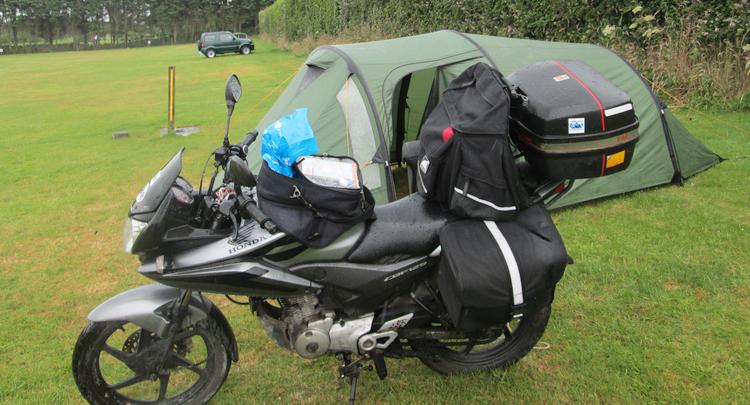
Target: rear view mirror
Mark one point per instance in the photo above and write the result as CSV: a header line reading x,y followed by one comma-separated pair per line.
x,y
232,92
240,173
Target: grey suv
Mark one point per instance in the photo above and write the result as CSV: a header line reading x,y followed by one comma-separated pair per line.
x,y
213,43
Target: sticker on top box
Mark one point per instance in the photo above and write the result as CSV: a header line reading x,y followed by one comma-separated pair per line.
x,y
576,125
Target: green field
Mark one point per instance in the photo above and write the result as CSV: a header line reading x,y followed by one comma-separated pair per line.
x,y
656,308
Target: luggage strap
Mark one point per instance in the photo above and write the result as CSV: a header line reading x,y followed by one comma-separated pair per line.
x,y
510,261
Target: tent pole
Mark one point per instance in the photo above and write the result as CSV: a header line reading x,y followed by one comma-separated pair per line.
x,y
476,45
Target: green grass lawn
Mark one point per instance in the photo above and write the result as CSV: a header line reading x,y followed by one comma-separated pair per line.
x,y
656,308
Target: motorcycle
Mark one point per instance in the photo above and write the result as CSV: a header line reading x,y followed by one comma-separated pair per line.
x,y
360,298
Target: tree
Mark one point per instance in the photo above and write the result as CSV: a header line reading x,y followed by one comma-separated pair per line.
x,y
11,11
47,14
83,13
170,20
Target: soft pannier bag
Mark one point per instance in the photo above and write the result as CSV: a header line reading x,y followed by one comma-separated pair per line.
x,y
465,160
573,123
491,272
324,199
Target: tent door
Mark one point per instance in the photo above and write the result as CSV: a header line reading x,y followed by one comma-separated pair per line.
x,y
411,106
402,107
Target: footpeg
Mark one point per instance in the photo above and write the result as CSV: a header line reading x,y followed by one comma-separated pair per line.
x,y
383,338
376,341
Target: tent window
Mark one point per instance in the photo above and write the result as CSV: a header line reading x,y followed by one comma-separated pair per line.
x,y
360,137
312,72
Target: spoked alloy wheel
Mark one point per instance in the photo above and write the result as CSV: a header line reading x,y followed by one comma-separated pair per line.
x,y
518,337
108,370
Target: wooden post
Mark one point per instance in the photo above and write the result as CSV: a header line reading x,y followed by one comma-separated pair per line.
x,y
170,110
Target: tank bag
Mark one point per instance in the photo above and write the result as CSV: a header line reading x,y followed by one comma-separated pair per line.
x,y
314,206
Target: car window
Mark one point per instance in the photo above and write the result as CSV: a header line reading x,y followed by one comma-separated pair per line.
x,y
226,38
211,38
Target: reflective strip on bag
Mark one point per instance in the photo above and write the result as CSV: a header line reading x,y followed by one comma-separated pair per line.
x,y
484,202
510,261
421,182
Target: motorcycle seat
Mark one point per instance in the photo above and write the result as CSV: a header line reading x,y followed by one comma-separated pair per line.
x,y
406,226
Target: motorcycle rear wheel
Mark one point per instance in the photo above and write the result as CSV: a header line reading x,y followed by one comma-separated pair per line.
x,y
198,365
517,340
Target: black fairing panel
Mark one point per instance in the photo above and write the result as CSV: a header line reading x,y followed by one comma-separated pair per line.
x,y
153,193
407,226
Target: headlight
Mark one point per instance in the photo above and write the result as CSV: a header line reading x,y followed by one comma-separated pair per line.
x,y
132,230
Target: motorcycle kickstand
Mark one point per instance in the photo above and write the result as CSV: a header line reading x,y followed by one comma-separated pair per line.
x,y
351,369
353,387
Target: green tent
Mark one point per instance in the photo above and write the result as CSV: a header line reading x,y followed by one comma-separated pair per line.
x,y
366,99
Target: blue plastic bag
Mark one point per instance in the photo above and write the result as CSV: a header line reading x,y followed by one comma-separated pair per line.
x,y
287,139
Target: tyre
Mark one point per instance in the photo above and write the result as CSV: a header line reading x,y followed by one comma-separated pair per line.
x,y
194,369
210,53
517,339
245,50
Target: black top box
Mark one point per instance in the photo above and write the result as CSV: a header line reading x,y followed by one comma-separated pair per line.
x,y
574,122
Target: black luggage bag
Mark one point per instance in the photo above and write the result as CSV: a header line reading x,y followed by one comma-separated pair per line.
x,y
575,123
465,160
491,272
313,214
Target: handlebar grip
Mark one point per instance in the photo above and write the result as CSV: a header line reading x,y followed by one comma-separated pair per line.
x,y
258,215
249,139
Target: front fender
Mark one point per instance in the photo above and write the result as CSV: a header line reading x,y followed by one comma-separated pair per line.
x,y
145,306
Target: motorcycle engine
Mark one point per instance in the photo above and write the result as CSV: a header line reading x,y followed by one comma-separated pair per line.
x,y
299,326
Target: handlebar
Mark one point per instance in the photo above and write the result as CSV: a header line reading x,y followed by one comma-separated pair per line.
x,y
243,177
250,137
223,153
249,209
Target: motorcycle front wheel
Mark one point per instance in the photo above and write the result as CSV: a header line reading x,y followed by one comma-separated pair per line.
x,y
517,339
194,369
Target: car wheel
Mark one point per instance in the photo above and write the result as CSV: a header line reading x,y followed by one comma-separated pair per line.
x,y
245,50
210,53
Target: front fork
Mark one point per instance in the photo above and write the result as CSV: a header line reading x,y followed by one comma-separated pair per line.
x,y
177,315
155,356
